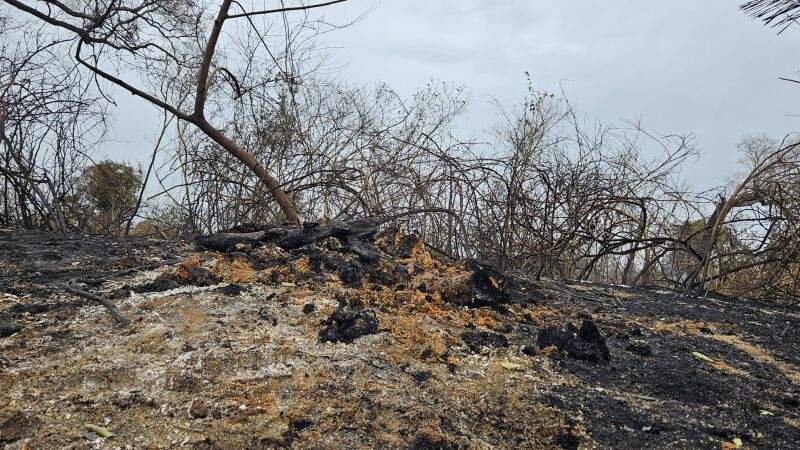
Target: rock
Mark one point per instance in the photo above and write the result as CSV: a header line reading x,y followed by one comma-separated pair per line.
x,y
347,325
477,339
190,274
160,284
9,328
231,290
555,336
585,351
586,343
198,409
308,308
590,333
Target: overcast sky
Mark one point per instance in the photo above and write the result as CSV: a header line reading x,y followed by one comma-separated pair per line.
x,y
681,66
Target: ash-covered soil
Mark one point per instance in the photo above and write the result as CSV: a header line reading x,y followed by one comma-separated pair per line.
x,y
263,347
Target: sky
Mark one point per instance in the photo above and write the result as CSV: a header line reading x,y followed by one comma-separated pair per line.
x,y
683,66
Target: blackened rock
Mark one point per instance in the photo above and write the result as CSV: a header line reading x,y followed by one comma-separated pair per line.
x,y
477,339
598,349
364,251
489,284
590,333
308,308
421,377
231,290
160,284
356,303
586,344
586,351
345,326
554,336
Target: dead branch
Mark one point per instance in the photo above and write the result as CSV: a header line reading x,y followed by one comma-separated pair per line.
x,y
72,288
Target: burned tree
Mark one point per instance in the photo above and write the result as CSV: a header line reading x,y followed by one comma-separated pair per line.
x,y
760,217
149,39
49,117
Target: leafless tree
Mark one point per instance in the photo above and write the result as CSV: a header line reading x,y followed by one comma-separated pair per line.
x,y
136,42
49,118
759,219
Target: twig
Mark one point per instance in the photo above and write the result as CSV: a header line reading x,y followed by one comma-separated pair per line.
x,y
72,288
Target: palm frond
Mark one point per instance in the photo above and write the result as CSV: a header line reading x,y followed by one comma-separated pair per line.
x,y
776,13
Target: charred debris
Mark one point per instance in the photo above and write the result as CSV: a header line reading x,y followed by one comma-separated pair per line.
x,y
374,264
359,253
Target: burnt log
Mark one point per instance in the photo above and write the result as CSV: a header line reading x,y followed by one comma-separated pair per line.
x,y
290,237
225,241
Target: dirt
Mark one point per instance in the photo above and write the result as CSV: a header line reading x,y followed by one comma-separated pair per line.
x,y
233,353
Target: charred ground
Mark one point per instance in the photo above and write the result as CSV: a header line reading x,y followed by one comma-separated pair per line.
x,y
360,340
